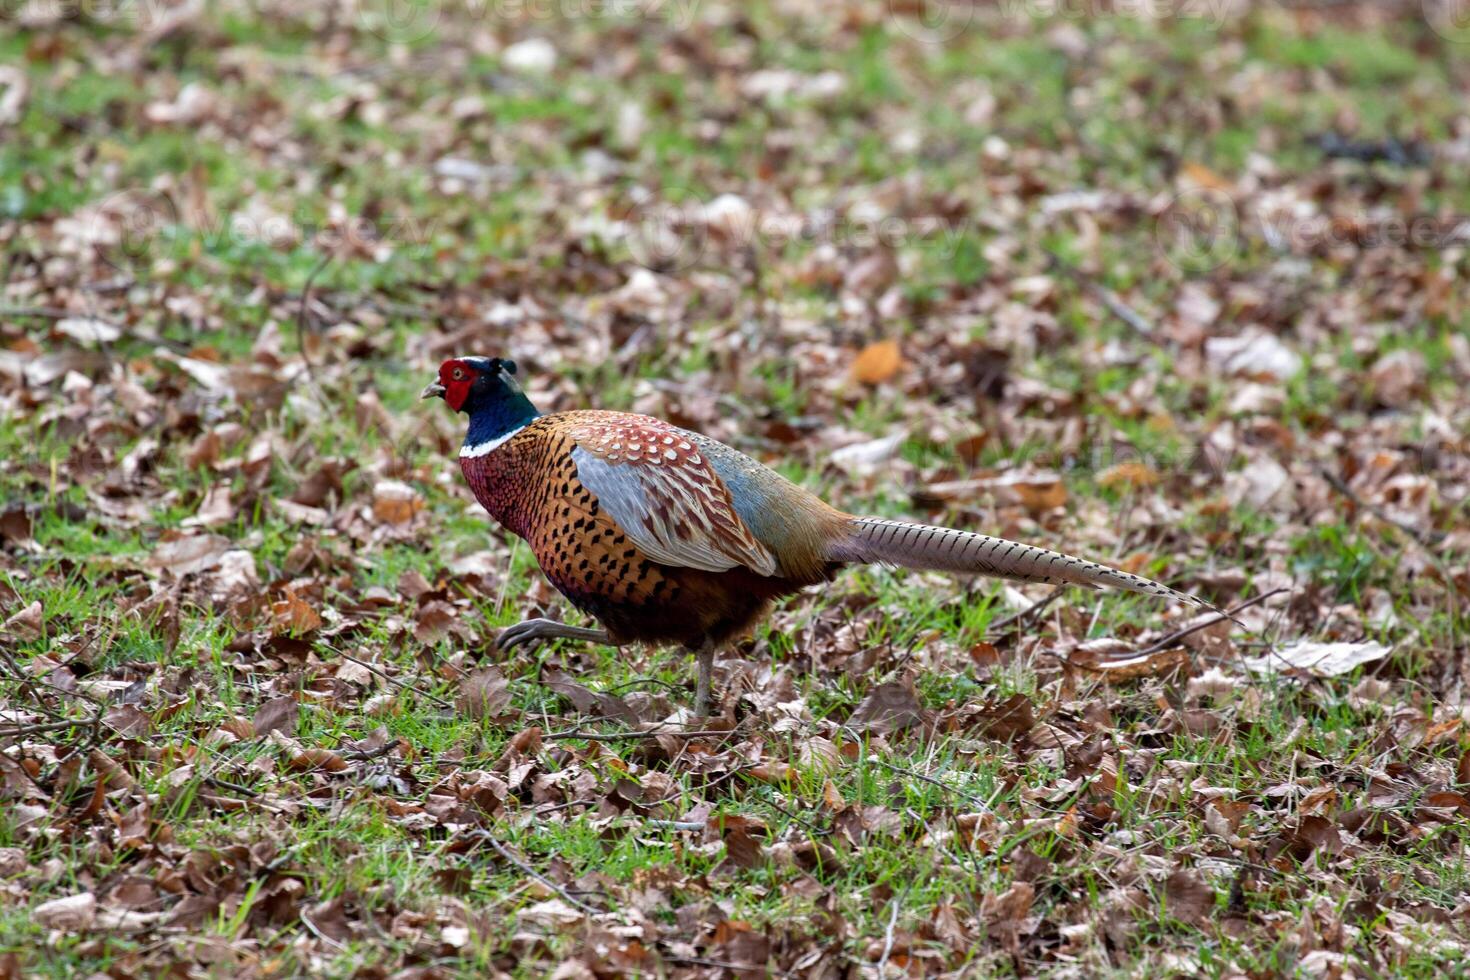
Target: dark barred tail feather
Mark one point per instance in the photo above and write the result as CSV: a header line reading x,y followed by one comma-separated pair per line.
x,y
942,549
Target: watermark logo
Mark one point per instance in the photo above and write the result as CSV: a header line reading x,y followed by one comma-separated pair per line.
x,y
932,21
1450,19
411,21
1199,230
671,236
400,21
667,237
123,229
131,231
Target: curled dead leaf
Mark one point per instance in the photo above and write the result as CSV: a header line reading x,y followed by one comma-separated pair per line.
x,y
1188,898
1011,906
1202,176
483,694
818,754
1321,659
69,914
888,708
12,861
395,502
1037,492
878,362
27,624
313,758
128,720
16,525
984,655
1006,720
215,510
185,554
1131,474
741,848
293,614
276,715
1103,659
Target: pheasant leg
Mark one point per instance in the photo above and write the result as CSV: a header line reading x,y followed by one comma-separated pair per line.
x,y
705,656
538,630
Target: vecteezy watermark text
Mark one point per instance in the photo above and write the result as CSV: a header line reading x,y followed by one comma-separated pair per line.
x,y
408,21
1203,229
399,21
131,230
672,236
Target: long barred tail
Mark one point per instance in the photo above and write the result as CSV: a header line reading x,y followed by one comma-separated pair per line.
x,y
943,549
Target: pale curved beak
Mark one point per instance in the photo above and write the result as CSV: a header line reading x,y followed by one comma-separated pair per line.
x,y
434,390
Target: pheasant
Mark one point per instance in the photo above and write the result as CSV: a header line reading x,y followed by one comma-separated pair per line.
x,y
664,535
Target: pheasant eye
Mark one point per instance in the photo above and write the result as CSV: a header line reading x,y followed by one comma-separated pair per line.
x,y
458,374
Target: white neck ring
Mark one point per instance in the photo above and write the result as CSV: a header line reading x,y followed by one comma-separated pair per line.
x,y
485,448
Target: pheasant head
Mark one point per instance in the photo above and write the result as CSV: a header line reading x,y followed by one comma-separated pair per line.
x,y
485,389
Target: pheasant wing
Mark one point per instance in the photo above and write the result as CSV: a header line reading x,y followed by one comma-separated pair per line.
x,y
652,480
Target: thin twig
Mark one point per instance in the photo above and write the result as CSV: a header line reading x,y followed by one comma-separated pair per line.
x,y
1223,615
301,313
553,808
119,285
526,869
27,683
1035,609
54,726
625,736
364,755
1103,295
914,774
722,964
641,681
677,824
306,921
1427,539
39,312
390,679
888,933
233,787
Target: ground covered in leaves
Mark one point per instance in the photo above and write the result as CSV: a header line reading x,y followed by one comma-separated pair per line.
x,y
1186,294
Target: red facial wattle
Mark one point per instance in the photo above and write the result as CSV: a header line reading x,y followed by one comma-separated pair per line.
x,y
456,378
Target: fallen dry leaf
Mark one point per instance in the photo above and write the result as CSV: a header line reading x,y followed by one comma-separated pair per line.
x,y
128,720
73,913
889,707
187,554
86,330
294,614
1203,176
1188,898
16,525
313,758
395,502
1321,659
1131,474
483,694
27,624
1115,666
276,715
1254,354
878,362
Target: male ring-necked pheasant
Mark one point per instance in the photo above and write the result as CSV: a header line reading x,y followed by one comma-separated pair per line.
x,y
667,536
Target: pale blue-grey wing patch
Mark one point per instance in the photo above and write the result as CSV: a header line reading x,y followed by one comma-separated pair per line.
x,y
676,515
765,500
